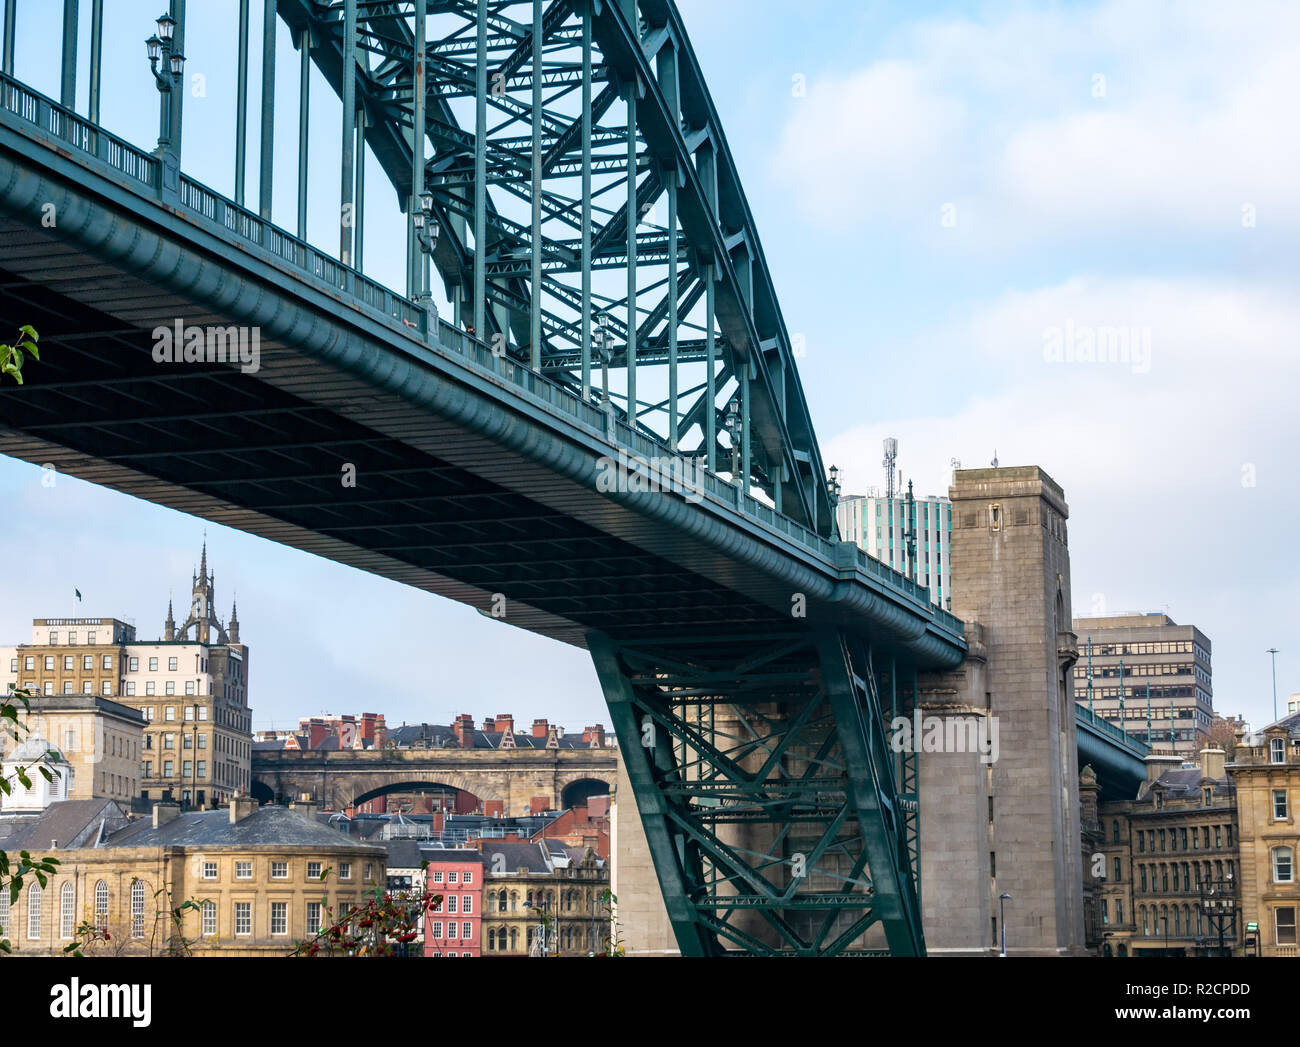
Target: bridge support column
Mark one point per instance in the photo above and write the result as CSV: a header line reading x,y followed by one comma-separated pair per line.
x,y
761,771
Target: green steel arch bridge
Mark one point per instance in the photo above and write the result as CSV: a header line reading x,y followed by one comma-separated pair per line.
x,y
605,440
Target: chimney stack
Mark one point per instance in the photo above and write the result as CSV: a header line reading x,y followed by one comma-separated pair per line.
x,y
540,728
505,723
164,813
241,807
464,730
1213,762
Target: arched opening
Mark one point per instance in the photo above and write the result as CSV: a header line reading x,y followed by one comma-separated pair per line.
x,y
576,794
417,798
261,792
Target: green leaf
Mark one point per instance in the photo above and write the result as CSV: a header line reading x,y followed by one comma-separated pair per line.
x,y
28,331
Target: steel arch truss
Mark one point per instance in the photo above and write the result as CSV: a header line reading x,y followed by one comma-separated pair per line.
x,y
767,790
579,170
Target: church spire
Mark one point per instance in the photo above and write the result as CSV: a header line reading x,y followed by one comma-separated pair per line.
x,y
169,630
234,621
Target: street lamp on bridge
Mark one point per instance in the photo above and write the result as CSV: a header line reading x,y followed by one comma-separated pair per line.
x,y
159,47
735,429
427,232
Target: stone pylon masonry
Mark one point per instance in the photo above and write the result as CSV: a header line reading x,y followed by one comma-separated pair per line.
x,y
1017,831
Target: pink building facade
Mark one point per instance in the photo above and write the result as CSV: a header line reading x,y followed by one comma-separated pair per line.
x,y
455,926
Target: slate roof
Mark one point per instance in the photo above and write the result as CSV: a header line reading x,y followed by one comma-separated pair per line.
x,y
69,823
529,856
439,736
402,854
265,827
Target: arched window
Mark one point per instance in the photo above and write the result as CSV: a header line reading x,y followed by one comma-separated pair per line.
x,y
1178,926
514,904
514,938
528,902
67,904
34,912
1283,865
501,902
101,904
492,939
137,908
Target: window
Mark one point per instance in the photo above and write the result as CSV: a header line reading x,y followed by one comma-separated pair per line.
x,y
108,687
1277,751
88,687
168,768
1283,865
66,912
203,711
279,918
437,876
203,741
435,929
451,928
467,903
1118,870
313,918
451,903
153,665
209,870
367,872
54,638
148,768
1144,877
1218,837
101,904
467,877
189,689
466,931
88,661
243,870
313,870
34,912
203,768
171,665
279,870
169,741
72,638
451,877
169,688
107,662
209,918
137,908
345,870
149,687
28,663
1279,805
1142,843
49,661
67,661
1119,910
243,918
133,664
1284,924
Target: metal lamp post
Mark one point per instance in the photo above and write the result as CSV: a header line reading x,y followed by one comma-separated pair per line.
x,y
1003,898
427,232
833,485
1274,652
160,52
602,329
1219,903
735,428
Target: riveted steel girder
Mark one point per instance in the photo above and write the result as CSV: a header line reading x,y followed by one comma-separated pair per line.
x,y
766,790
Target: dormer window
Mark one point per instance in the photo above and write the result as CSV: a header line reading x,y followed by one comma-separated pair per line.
x,y
1277,750
1207,795
1160,802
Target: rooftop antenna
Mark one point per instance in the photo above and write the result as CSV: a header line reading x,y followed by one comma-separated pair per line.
x,y
891,458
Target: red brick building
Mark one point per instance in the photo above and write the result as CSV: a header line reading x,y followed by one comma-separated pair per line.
x,y
455,926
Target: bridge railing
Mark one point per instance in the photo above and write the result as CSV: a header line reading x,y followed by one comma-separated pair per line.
x,y
1104,726
144,171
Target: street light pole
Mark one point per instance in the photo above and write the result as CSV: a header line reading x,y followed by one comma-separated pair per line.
x,y
1274,652
1003,898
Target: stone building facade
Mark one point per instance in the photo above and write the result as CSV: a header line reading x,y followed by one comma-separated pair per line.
x,y
255,875
567,885
1178,835
101,740
1266,769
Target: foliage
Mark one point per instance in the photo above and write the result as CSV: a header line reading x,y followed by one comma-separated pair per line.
x,y
614,941
11,356
1223,735
382,924
12,876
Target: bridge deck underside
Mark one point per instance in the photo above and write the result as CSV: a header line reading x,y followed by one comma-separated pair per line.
x,y
197,437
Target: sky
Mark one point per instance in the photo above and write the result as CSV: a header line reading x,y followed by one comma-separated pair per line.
x,y
946,194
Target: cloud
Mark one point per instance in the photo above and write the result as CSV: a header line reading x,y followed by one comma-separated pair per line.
x,y
1098,122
